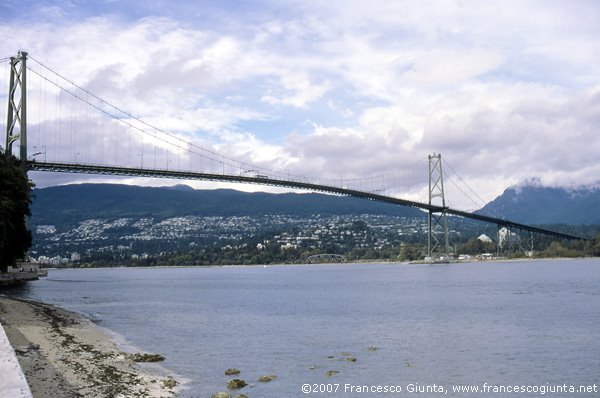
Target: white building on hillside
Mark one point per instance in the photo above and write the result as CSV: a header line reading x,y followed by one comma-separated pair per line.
x,y
484,238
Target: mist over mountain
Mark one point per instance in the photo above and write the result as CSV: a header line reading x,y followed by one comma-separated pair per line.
x,y
535,204
87,201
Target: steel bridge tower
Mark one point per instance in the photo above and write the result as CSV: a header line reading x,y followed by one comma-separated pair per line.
x,y
437,240
16,123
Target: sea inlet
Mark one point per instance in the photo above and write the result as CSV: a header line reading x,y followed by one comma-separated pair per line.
x,y
525,323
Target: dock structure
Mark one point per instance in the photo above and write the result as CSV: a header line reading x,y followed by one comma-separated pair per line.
x,y
21,272
16,278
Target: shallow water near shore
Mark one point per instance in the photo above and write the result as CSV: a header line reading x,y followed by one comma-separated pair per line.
x,y
517,323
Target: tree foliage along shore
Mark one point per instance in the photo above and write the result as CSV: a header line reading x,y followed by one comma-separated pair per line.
x,y
15,200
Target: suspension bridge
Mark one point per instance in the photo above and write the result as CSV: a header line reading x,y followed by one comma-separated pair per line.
x,y
73,130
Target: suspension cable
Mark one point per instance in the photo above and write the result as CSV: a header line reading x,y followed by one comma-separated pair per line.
x,y
481,201
220,159
127,114
179,143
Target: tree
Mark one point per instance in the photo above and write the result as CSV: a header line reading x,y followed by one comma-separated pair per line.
x,y
556,249
476,246
412,252
15,199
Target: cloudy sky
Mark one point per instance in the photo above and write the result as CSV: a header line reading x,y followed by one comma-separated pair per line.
x,y
506,91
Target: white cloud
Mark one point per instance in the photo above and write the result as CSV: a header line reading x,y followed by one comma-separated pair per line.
x,y
505,91
303,91
448,68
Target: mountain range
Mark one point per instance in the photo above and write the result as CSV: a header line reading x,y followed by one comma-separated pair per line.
x,y
52,205
526,204
534,204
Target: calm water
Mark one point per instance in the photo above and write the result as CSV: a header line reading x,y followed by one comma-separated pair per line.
x,y
521,323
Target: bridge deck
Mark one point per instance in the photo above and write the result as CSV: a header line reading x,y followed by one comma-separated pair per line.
x,y
263,180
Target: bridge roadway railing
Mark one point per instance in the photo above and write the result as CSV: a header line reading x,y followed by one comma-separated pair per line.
x,y
265,180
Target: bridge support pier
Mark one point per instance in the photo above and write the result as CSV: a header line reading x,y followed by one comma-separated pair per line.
x,y
16,123
512,241
437,239
531,241
498,241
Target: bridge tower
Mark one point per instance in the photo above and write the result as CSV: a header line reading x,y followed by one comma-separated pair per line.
x,y
16,123
437,240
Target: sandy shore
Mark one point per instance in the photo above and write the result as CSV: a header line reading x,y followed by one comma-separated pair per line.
x,y
64,355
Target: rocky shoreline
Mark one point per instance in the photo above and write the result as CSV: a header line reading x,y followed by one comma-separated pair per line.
x,y
64,355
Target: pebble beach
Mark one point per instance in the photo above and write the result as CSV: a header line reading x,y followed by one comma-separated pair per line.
x,y
63,354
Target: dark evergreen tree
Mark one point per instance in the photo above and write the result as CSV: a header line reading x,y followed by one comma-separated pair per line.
x,y
15,188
